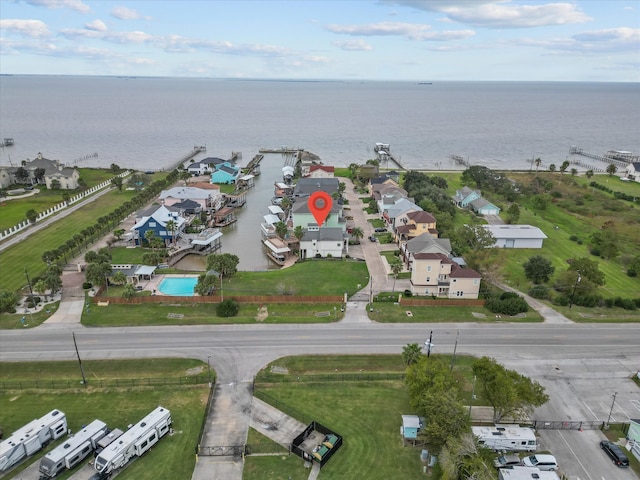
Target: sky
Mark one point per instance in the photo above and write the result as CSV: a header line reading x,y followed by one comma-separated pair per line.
x,y
389,40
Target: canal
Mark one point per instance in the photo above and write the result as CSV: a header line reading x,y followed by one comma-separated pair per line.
x,y
243,237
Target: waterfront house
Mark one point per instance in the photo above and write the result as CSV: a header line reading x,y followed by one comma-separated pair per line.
x,y
416,223
225,173
390,199
188,207
397,214
205,166
306,186
380,190
204,197
425,243
319,171
516,236
157,221
302,216
323,242
277,250
438,275
632,171
382,180
465,196
41,170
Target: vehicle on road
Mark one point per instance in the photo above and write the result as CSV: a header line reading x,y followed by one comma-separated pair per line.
x,y
615,453
506,460
381,230
545,463
372,238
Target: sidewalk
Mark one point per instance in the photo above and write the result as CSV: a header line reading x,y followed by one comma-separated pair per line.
x,y
548,313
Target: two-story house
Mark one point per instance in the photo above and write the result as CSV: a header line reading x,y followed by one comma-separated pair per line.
x,y
302,216
436,274
306,186
158,221
204,166
205,198
416,224
323,242
465,196
425,243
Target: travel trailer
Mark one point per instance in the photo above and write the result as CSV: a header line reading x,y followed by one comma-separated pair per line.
x,y
507,437
73,450
31,438
134,442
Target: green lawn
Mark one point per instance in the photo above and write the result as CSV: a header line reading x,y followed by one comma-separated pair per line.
x,y
13,320
172,457
128,255
146,314
387,312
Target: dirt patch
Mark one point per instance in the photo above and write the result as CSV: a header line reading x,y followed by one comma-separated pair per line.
x,y
195,370
263,313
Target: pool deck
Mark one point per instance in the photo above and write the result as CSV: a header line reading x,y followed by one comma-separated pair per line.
x,y
158,278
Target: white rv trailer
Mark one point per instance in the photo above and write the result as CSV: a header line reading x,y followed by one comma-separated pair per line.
x,y
507,437
134,442
31,438
73,450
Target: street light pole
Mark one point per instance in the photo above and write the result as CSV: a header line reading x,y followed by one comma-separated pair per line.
x,y
575,285
455,347
612,405
209,370
429,344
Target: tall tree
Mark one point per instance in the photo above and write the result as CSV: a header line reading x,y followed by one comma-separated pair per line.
x,y
224,263
32,215
281,229
509,393
172,226
357,233
22,175
471,237
117,182
611,169
396,268
538,269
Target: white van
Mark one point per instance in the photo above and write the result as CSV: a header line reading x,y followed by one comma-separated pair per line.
x,y
546,463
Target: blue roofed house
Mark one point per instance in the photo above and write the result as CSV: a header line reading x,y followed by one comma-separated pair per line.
x,y
225,173
157,222
465,196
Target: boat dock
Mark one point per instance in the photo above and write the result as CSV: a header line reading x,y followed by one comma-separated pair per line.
x,y
618,158
383,153
7,142
459,160
283,149
253,167
185,158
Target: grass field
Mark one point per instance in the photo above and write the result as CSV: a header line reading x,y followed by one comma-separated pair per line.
x,y
28,253
390,313
172,457
13,320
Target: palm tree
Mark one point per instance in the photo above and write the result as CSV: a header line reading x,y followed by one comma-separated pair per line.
x,y
171,227
281,229
537,161
41,288
357,233
396,268
299,232
411,353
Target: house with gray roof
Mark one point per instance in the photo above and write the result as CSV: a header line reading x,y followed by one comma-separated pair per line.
x,y
465,196
323,242
632,172
396,215
425,243
482,206
516,236
54,174
306,186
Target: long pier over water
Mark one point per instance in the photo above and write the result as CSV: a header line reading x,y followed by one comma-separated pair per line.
x,y
383,152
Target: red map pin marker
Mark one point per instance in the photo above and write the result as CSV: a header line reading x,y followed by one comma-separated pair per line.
x,y
320,205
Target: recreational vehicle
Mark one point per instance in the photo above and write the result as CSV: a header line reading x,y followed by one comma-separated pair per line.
x,y
31,438
73,450
134,442
506,437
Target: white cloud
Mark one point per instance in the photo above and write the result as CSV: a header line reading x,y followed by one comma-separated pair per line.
x,y
613,40
412,31
354,45
26,28
124,13
502,13
114,37
96,25
76,5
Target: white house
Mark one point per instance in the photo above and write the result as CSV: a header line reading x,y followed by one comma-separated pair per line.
x,y
205,198
633,171
323,242
633,437
516,236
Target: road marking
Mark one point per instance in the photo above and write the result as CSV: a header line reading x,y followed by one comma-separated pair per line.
x,y
574,454
635,403
592,412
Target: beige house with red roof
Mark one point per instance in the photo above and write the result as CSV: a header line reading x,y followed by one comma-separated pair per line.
x,y
416,224
436,274
319,171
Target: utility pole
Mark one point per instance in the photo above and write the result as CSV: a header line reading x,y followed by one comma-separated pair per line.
x,y
612,405
209,370
429,344
574,289
455,347
84,380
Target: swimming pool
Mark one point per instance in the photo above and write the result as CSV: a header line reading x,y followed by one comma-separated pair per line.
x,y
180,287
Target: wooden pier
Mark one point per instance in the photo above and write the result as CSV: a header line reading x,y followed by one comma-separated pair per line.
x,y
253,167
383,153
609,158
459,160
284,149
196,150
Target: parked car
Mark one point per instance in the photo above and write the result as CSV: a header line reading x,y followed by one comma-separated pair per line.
x,y
615,453
373,239
546,463
381,230
506,460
